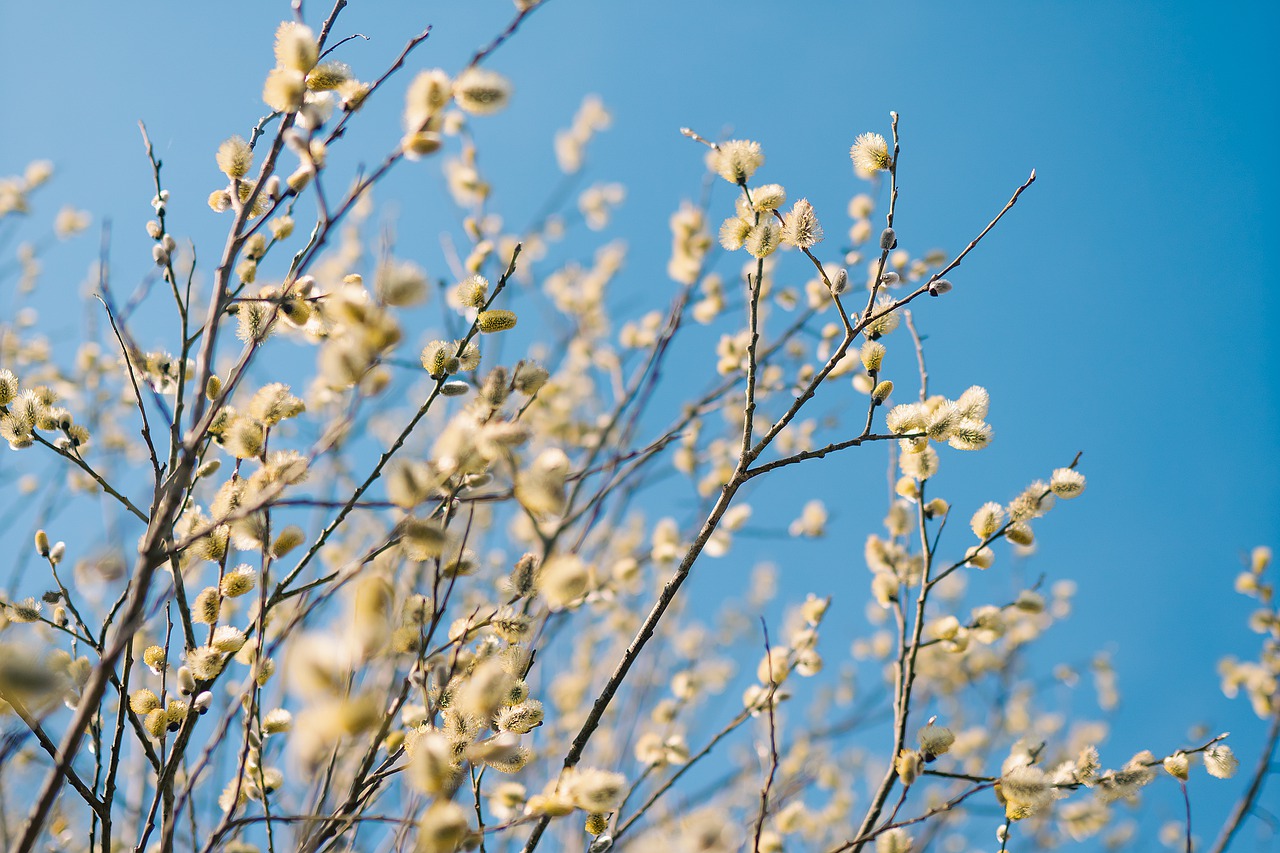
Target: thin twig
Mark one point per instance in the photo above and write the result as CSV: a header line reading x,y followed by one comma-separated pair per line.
x,y
1245,805
773,743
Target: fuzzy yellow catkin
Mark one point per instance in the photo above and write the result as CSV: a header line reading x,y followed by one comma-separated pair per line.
x,y
371,614
431,766
235,157
8,387
154,658
496,388
801,228
143,701
737,160
291,537
530,377
442,828
244,439
562,580
175,714
296,47
1220,761
206,606
263,670
870,153
439,359
473,291
498,320
284,90
872,355
42,543
980,558
881,392
763,239
895,840
1067,483
421,143
935,741
410,481
427,94
773,667
768,197
594,790
733,233
470,358
273,403
203,663
238,581
155,722
484,692
480,91
524,575
1025,788
907,765
228,639
1177,765
422,540
907,488
1020,534
328,76
277,721
521,718
987,520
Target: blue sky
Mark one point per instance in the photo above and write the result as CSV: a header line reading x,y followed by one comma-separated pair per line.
x,y
1126,308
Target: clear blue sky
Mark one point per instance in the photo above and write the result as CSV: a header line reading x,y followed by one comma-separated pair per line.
x,y
1126,308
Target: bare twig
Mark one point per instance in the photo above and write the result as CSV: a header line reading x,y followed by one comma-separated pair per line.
x,y
1246,804
773,745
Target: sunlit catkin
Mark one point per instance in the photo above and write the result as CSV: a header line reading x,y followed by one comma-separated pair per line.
x,y
206,606
987,520
562,580
442,828
296,47
802,229
284,89
480,91
489,322
1067,483
737,160
371,613
327,76
288,539
234,157
143,701
870,153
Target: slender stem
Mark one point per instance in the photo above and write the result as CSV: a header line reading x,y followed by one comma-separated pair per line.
x,y
773,746
1245,805
1186,800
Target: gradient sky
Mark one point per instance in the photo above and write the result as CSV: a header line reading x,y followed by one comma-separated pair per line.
x,y
1126,308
